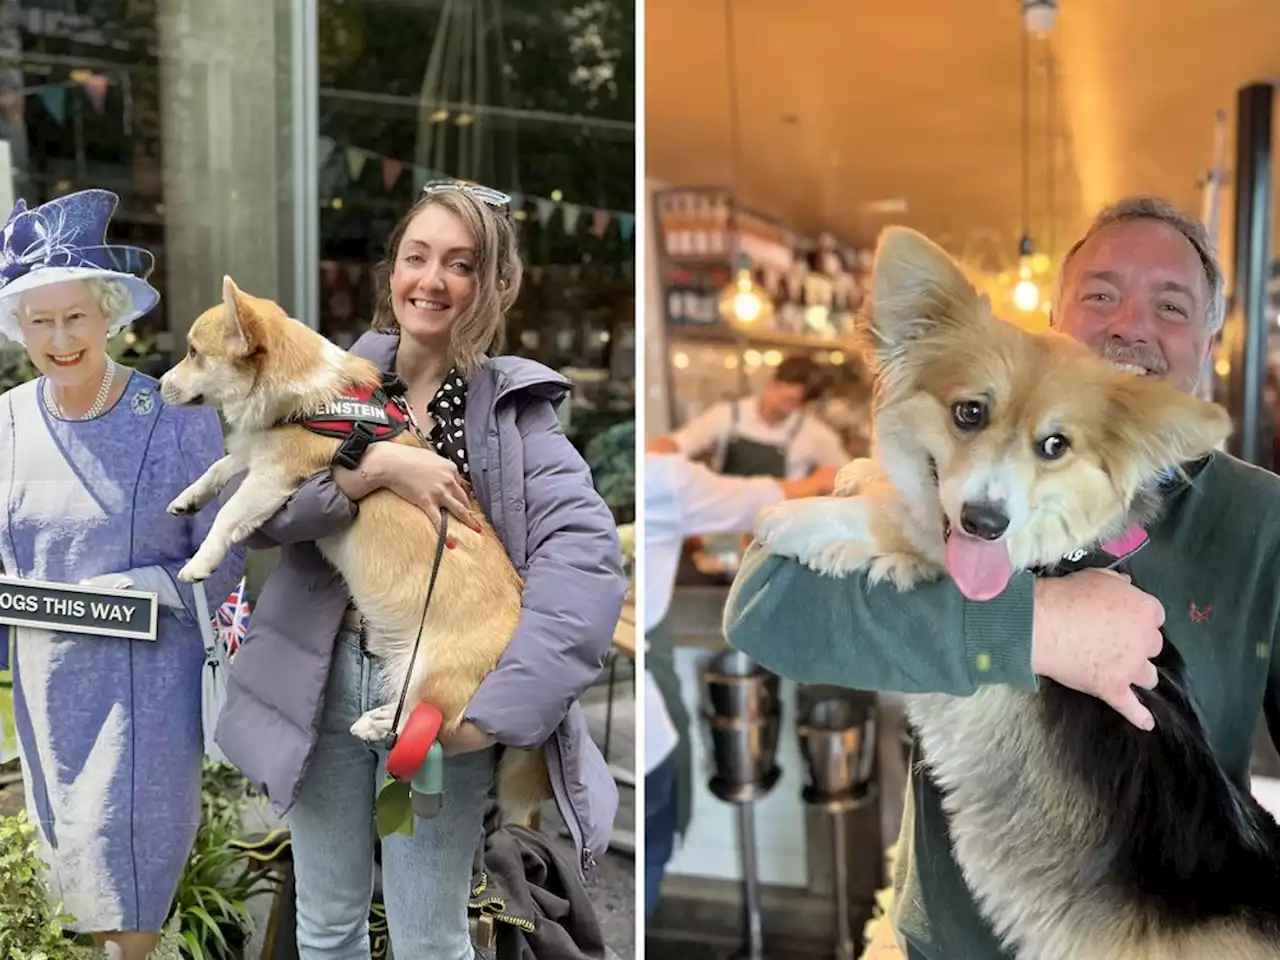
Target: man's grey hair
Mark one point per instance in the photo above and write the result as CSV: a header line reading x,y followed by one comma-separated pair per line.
x,y
1153,208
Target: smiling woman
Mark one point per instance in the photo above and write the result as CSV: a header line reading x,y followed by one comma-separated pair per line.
x,y
108,729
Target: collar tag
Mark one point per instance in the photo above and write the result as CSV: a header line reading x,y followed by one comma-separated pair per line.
x,y
1107,556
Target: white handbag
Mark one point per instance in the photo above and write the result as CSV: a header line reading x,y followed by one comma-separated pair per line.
x,y
213,675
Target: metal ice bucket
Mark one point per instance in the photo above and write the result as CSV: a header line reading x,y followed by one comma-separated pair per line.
x,y
734,685
838,743
742,709
743,752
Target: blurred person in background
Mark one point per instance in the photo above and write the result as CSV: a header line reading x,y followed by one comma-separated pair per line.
x,y
770,434
684,499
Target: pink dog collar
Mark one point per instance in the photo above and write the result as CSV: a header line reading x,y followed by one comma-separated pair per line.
x,y
1128,542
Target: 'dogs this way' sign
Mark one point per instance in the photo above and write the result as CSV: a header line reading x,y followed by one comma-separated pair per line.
x,y
129,614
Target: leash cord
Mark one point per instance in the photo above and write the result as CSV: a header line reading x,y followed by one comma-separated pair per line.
x,y
431,586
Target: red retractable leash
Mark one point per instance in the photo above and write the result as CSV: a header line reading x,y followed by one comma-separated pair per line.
x,y
415,754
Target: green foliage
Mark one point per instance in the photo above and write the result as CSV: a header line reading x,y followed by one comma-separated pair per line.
x,y
210,918
611,455
394,809
30,926
212,902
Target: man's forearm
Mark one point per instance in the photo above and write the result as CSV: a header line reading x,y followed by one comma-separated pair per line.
x,y
817,629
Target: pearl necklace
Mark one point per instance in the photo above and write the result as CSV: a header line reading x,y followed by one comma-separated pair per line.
x,y
99,402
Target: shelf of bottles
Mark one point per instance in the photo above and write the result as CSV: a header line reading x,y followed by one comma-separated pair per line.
x,y
816,288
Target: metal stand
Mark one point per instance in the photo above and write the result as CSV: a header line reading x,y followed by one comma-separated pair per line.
x,y
751,923
838,742
743,711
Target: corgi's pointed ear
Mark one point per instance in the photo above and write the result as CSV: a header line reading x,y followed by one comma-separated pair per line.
x,y
247,329
1155,427
916,286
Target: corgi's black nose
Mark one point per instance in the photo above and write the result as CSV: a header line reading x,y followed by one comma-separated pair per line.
x,y
987,521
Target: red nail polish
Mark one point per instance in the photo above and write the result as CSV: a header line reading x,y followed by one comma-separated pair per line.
x,y
478,528
450,543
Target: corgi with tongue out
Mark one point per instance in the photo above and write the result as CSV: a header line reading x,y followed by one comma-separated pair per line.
x,y
996,450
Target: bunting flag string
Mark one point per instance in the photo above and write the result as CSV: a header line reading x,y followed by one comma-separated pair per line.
x,y
572,215
53,96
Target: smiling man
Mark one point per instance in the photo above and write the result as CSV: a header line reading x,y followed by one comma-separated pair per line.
x,y
1142,288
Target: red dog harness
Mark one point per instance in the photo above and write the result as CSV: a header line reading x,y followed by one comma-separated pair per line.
x,y
361,416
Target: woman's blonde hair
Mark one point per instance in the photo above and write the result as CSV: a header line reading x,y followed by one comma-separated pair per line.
x,y
479,330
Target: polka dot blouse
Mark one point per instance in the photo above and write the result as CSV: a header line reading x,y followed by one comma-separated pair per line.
x,y
446,409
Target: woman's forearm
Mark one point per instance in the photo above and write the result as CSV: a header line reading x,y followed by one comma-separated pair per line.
x,y
368,476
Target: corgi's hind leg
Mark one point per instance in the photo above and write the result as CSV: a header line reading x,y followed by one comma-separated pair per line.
x,y
524,782
375,726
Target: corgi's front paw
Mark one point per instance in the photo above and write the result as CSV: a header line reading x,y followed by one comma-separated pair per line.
x,y
193,573
797,528
199,568
375,726
185,504
903,570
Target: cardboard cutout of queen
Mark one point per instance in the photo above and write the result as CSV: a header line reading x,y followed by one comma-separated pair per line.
x,y
109,729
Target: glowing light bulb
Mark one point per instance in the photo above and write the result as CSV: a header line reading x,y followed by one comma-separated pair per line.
x,y
742,301
746,306
1026,295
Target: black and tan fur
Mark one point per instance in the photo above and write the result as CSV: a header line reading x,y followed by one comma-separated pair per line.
x,y
1081,837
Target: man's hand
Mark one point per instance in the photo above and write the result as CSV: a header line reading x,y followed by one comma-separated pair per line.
x,y
1097,633
820,483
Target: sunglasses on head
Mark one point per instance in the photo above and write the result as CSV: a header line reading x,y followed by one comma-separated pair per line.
x,y
486,195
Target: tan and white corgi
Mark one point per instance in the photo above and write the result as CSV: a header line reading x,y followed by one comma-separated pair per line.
x,y
263,369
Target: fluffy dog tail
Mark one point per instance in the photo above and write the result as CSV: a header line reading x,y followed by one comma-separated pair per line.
x,y
1185,849
524,783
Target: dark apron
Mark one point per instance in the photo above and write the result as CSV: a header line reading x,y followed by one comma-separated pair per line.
x,y
751,458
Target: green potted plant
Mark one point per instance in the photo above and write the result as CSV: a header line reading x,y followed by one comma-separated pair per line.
x,y
31,924
211,906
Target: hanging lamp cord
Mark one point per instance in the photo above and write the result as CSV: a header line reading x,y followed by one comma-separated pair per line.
x,y
1026,134
735,144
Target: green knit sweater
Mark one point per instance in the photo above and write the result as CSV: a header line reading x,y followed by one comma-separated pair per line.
x,y
1212,560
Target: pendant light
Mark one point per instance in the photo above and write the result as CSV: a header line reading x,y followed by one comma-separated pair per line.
x,y
743,303
1026,293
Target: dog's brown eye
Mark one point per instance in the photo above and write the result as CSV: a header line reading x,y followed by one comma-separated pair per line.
x,y
969,414
191,352
1053,447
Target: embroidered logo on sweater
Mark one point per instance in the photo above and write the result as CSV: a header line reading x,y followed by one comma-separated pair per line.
x,y
143,403
1201,614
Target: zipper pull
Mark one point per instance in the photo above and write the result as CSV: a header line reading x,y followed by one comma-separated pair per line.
x,y
588,860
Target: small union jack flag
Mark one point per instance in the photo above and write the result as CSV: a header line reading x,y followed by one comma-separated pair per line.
x,y
233,619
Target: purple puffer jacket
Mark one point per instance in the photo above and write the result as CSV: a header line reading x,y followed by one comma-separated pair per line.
x,y
537,492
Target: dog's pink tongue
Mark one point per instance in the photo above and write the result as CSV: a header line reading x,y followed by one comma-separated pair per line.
x,y
980,568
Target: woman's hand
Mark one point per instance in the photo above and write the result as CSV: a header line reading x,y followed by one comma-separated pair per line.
x,y
420,476
466,739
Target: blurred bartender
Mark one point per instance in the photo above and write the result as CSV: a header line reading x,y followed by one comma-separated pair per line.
x,y
770,434
683,499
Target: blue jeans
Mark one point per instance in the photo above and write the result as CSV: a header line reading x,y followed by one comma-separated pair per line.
x,y
426,878
659,829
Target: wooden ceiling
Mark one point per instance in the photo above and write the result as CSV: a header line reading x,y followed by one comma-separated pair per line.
x,y
846,104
